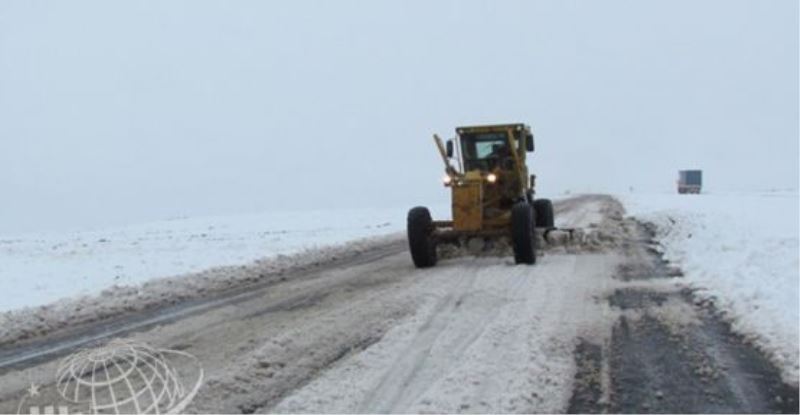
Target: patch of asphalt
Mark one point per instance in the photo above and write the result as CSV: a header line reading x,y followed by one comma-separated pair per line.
x,y
637,299
706,369
647,261
660,365
588,387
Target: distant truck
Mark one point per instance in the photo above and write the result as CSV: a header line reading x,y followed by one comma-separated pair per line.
x,y
690,181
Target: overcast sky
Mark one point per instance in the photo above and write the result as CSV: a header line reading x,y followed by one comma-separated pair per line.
x,y
114,112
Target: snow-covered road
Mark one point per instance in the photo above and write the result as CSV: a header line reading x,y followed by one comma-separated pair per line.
x,y
601,327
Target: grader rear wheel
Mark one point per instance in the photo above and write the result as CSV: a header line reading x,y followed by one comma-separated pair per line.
x,y
544,213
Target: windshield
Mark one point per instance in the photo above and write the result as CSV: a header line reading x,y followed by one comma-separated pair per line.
x,y
484,151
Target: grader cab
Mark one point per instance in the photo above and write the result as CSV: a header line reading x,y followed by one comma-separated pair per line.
x,y
492,194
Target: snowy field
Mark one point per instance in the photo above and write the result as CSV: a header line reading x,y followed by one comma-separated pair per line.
x,y
38,269
742,250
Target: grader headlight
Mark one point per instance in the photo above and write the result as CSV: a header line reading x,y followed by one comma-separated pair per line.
x,y
491,178
447,180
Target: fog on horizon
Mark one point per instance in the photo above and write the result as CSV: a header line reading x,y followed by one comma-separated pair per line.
x,y
123,112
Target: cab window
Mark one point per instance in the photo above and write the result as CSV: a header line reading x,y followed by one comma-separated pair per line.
x,y
484,146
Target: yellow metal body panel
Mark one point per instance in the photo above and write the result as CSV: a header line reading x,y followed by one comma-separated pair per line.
x,y
468,207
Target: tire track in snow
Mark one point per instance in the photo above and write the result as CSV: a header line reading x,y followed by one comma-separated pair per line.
x,y
420,365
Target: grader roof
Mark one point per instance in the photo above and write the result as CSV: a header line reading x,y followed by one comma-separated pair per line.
x,y
490,128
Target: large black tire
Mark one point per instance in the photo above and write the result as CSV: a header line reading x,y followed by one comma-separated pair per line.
x,y
420,241
523,223
544,213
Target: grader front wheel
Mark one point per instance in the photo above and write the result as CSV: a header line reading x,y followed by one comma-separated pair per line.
x,y
420,240
523,222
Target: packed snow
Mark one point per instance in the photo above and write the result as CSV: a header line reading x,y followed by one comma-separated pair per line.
x,y
487,337
38,269
741,249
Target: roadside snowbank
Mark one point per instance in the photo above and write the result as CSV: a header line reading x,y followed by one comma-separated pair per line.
x,y
35,321
741,249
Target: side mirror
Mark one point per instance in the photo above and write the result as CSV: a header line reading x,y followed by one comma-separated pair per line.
x,y
529,143
449,148
533,181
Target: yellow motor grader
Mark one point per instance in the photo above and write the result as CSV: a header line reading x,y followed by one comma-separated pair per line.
x,y
492,194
